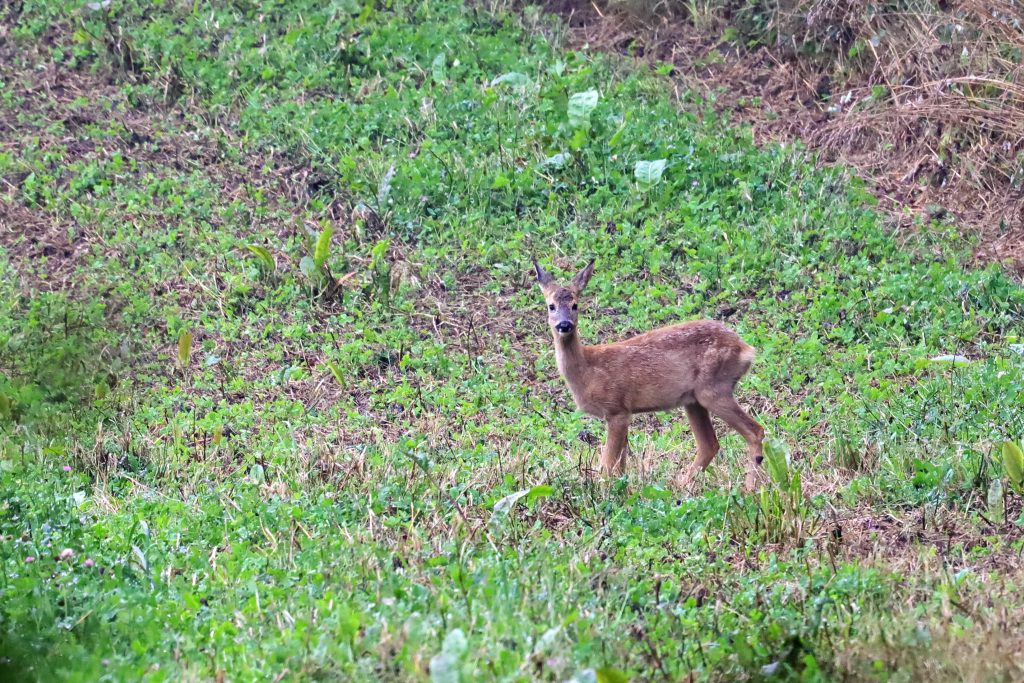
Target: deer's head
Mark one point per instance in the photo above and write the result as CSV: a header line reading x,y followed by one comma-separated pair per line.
x,y
563,301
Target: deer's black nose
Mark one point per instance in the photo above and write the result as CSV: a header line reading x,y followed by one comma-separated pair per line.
x,y
564,327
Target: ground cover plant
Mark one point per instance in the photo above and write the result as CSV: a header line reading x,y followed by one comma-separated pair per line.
x,y
278,400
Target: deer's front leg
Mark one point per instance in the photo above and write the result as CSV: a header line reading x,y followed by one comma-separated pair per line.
x,y
613,457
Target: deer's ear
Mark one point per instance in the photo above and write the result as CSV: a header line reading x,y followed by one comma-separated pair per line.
x,y
544,278
580,279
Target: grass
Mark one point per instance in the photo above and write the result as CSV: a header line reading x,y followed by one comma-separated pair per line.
x,y
279,402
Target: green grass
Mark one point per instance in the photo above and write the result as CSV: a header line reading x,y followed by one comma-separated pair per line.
x,y
317,485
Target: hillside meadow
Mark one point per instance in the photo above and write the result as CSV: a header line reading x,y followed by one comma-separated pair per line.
x,y
278,399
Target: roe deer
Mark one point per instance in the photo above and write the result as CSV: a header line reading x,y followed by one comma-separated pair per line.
x,y
694,364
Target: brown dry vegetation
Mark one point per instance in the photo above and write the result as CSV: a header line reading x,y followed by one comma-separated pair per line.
x,y
925,98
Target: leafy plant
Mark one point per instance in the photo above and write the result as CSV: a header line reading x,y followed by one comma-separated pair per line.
x,y
264,259
444,667
316,265
648,173
780,513
1013,462
379,287
581,105
322,251
184,349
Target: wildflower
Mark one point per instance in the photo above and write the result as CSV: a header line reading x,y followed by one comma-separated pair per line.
x,y
67,468
29,559
89,562
66,554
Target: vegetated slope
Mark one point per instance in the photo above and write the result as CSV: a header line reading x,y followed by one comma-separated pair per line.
x,y
258,469
925,98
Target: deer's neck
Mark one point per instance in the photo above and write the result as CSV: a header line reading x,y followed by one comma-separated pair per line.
x,y
571,362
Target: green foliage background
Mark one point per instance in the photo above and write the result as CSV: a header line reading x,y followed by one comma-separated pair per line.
x,y
337,204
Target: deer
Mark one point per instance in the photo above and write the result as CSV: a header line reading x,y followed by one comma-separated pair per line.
x,y
694,364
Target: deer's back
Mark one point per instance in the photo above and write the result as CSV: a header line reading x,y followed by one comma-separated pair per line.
x,y
663,368
688,336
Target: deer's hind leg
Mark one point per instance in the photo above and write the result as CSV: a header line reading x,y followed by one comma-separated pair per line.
x,y
707,443
725,406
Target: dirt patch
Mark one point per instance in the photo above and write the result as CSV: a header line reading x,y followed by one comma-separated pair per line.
x,y
921,536
66,122
45,256
896,148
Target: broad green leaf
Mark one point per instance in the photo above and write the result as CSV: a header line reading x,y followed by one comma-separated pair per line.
x,y
308,266
384,188
263,257
191,602
539,491
379,252
292,373
140,557
652,492
504,505
501,181
617,136
557,160
184,348
776,461
323,247
349,621
995,503
581,105
1013,461
578,139
609,675
437,68
336,371
513,79
444,667
744,653
455,643
648,173
952,359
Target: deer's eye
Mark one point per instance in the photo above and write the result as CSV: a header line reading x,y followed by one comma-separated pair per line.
x,y
574,307
551,307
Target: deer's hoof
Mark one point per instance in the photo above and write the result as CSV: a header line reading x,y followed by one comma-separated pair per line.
x,y
753,482
683,483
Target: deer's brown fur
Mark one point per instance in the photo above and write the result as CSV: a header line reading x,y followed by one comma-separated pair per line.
x,y
694,365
